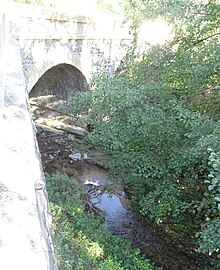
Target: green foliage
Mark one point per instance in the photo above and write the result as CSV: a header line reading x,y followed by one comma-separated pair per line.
x,y
158,148
214,183
110,6
188,66
198,15
209,235
210,240
156,120
79,240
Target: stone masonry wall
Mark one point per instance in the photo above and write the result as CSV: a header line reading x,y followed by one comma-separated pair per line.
x,y
48,38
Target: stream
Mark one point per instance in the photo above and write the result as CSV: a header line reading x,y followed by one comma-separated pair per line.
x,y
68,154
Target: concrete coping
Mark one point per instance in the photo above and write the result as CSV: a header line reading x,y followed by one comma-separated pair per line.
x,y
42,12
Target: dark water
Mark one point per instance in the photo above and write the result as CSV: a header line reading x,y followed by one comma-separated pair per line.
x,y
117,217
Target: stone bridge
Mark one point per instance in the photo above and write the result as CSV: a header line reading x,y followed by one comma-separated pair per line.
x,y
68,47
42,52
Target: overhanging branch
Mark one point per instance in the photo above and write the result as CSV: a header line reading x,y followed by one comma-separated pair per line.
x,y
206,38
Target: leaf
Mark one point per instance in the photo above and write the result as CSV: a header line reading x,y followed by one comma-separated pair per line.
x,y
211,187
207,181
217,199
215,181
218,178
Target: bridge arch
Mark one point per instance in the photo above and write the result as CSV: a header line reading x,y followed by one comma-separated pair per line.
x,y
38,57
60,81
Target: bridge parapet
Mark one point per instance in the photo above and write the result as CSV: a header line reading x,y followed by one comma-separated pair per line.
x,y
43,23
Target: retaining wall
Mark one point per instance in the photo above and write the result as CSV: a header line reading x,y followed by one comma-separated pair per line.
x,y
25,239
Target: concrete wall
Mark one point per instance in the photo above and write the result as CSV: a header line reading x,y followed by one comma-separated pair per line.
x,y
25,240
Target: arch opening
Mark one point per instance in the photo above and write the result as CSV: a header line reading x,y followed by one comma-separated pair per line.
x,y
54,87
61,82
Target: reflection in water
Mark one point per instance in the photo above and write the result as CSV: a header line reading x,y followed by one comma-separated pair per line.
x,y
116,216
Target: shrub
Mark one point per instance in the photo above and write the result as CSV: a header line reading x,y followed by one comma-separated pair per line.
x,y
153,120
209,235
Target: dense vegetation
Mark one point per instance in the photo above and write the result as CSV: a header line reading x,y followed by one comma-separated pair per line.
x,y
158,120
79,241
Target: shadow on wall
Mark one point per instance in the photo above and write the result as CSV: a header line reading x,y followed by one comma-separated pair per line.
x,y
61,82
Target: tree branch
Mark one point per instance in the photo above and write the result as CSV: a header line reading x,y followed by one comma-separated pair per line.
x,y
206,38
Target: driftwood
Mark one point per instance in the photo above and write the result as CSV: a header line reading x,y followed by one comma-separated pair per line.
x,y
78,132
91,208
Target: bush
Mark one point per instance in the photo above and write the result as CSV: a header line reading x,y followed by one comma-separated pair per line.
x,y
156,121
158,150
209,235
